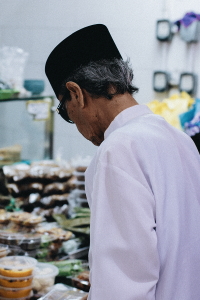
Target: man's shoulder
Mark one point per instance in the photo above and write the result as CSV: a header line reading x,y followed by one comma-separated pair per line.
x,y
137,129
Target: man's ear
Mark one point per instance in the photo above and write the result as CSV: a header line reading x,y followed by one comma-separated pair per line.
x,y
75,92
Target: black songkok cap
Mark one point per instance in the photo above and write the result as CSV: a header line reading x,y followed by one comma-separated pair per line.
x,y
91,43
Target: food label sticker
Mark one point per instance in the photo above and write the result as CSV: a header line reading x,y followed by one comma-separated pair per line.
x,y
40,109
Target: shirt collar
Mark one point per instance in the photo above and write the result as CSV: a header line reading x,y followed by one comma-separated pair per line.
x,y
125,116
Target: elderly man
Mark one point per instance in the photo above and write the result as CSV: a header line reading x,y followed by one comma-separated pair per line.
x,y
143,184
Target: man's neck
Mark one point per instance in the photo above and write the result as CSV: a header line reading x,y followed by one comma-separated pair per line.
x,y
109,109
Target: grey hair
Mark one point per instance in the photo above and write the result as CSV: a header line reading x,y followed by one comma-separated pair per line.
x,y
103,78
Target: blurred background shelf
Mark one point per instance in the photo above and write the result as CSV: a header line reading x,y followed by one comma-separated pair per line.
x,y
29,124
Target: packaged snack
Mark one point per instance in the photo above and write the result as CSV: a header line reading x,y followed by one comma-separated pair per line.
x,y
81,169
51,201
17,190
81,281
4,218
25,219
79,175
59,187
80,185
26,241
17,266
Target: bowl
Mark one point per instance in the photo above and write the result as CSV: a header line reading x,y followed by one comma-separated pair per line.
x,y
34,86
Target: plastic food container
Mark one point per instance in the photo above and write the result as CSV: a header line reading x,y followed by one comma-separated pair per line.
x,y
81,284
64,294
17,266
31,243
81,281
80,193
3,250
80,185
15,251
44,277
24,298
79,175
26,241
15,292
10,238
82,202
16,282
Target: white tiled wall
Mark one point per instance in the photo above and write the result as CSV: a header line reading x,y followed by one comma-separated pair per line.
x,y
38,26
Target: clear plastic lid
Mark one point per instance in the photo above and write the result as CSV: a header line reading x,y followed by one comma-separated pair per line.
x,y
20,237
76,173
24,298
64,295
16,278
45,270
16,289
17,262
79,182
3,248
77,191
81,200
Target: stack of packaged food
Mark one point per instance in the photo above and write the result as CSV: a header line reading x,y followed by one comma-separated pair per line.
x,y
16,276
79,191
42,187
24,234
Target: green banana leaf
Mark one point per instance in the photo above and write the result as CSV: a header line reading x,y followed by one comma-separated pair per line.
x,y
78,225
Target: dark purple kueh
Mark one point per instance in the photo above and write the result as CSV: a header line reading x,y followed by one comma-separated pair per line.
x,y
91,43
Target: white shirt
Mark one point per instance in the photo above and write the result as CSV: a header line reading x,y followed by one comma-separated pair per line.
x,y
143,189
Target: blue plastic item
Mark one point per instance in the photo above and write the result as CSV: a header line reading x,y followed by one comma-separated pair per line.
x,y
35,86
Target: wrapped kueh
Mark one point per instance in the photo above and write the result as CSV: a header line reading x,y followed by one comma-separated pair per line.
x,y
24,189
17,266
53,200
81,169
59,187
40,171
25,219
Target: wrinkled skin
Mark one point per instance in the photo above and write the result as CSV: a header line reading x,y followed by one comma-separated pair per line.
x,y
93,116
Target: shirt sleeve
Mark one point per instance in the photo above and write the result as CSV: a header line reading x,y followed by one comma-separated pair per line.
x,y
123,257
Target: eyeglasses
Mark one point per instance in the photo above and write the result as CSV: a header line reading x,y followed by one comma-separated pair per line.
x,y
62,111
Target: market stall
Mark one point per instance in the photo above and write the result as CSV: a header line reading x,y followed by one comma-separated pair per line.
x,y
43,220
